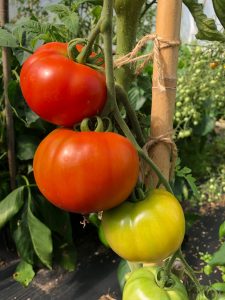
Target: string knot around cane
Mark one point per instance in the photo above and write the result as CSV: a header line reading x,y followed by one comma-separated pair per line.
x,y
159,43
167,140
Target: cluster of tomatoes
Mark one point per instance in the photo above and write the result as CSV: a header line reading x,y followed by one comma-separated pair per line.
x,y
87,172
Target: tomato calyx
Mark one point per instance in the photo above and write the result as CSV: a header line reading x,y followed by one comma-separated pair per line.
x,y
96,124
163,280
79,52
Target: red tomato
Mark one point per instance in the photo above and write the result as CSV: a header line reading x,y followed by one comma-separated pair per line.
x,y
85,171
60,90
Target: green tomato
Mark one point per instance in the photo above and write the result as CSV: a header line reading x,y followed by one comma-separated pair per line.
x,y
201,297
142,285
207,269
101,236
146,231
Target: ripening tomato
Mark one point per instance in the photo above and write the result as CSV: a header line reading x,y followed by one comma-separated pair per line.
x,y
146,231
85,171
60,90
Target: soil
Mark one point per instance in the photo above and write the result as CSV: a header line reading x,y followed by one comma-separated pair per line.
x,y
95,277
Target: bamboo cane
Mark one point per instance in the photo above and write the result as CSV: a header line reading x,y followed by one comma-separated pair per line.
x,y
8,112
168,20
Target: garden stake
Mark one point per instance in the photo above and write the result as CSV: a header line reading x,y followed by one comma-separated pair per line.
x,y
168,29
4,18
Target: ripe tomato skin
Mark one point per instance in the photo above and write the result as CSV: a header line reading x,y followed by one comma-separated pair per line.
x,y
145,231
60,90
141,285
85,171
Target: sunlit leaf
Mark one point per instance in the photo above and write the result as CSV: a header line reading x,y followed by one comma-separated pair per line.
x,y
219,7
207,29
218,258
10,205
222,230
22,239
7,39
71,22
41,238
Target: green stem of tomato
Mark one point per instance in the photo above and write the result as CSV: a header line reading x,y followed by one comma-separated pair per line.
x,y
82,57
106,30
26,49
189,271
121,96
170,262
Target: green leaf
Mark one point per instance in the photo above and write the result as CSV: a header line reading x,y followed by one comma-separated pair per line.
x,y
58,9
26,146
219,286
51,215
10,205
96,12
191,181
66,256
24,273
222,230
72,23
207,29
41,238
22,239
79,2
136,97
7,39
218,258
206,126
219,7
31,117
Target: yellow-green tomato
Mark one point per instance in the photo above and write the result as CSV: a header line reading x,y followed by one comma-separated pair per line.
x,y
142,285
145,231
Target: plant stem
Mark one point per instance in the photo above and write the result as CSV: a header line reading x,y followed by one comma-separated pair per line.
x,y
169,264
130,136
189,271
106,30
121,95
26,49
127,15
82,57
156,170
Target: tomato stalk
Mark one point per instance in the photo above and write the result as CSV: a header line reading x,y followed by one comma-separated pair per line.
x,y
82,57
121,95
25,49
127,16
189,271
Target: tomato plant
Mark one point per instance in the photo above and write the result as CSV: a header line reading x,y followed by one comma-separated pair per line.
x,y
60,90
146,231
85,171
142,284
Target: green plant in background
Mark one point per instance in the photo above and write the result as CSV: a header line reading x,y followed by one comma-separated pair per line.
x,y
215,262
201,91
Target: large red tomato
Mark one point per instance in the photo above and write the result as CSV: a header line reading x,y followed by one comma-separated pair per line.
x,y
60,90
85,171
